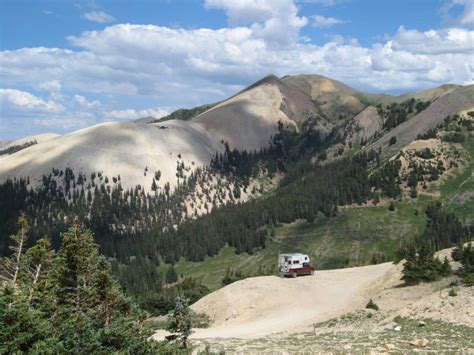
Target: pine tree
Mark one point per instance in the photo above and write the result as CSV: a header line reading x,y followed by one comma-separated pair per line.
x,y
12,266
76,262
171,275
180,320
73,304
39,259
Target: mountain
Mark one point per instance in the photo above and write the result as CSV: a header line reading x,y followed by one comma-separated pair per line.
x,y
132,150
4,143
246,121
38,138
453,100
214,193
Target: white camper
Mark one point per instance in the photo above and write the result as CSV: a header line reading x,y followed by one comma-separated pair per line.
x,y
294,264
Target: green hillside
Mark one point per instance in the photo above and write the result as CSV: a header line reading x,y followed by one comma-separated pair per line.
x,y
356,235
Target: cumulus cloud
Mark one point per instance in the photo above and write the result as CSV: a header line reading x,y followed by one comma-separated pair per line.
x,y
275,21
451,40
82,102
321,21
99,17
22,100
180,67
130,114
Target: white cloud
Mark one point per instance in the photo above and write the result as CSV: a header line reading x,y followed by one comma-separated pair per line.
x,y
72,121
131,114
321,21
466,18
180,67
451,40
22,100
99,17
51,85
82,102
275,21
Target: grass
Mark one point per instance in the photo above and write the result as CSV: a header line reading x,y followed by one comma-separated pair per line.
x,y
457,193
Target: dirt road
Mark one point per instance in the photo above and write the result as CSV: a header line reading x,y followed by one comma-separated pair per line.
x,y
260,306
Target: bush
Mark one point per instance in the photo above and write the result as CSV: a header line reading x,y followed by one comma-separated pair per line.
x,y
452,292
372,305
425,154
455,137
392,141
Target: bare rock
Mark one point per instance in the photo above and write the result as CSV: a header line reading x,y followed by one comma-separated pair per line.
x,y
420,343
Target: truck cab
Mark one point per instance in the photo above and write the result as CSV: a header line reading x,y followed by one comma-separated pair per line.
x,y
294,264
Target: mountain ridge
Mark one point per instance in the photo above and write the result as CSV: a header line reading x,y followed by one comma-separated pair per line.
x,y
247,121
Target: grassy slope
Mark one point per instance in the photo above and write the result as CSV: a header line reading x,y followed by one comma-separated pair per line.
x,y
349,239
457,194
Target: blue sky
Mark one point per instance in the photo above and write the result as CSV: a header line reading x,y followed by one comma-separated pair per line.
x,y
65,65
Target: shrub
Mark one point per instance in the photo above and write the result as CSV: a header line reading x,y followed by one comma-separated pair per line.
x,y
425,154
392,141
455,137
372,305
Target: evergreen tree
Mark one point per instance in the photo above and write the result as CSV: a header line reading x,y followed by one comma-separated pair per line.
x,y
465,255
180,320
171,275
11,267
68,302
421,266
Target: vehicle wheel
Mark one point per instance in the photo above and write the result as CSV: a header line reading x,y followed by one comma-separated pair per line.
x,y
293,274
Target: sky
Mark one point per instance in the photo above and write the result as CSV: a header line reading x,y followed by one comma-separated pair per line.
x,y
66,65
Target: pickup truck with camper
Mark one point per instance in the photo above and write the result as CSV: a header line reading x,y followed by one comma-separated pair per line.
x,y
294,264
